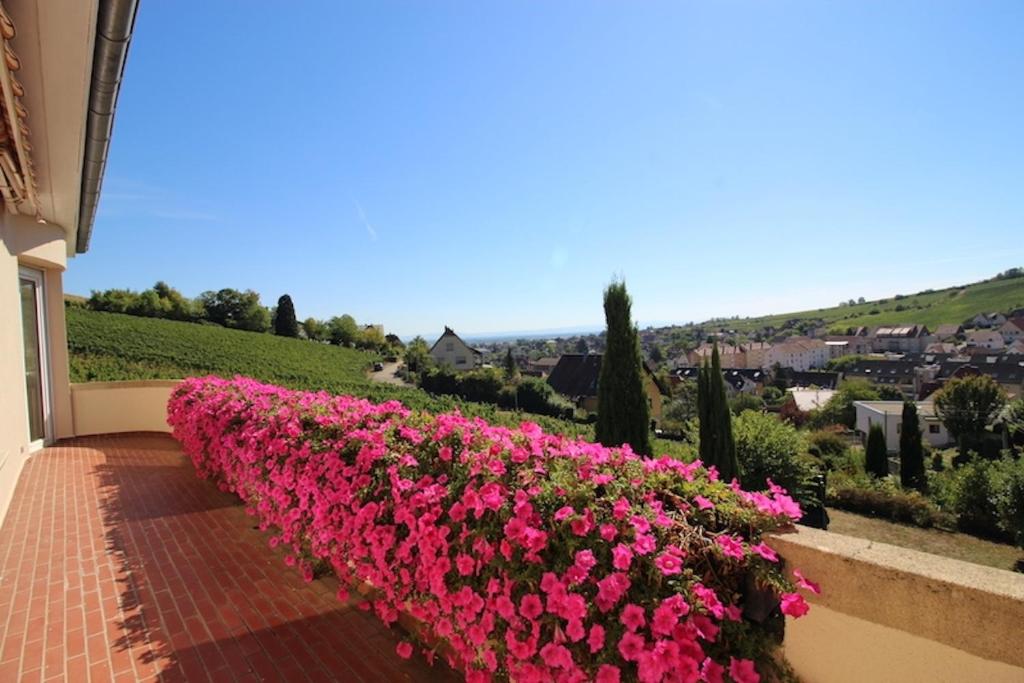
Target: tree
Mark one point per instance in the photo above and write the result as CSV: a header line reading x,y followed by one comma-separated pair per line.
x,y
343,330
285,324
911,450
966,406
657,355
742,402
767,448
581,346
623,414
717,446
511,369
876,457
315,329
417,355
840,409
235,309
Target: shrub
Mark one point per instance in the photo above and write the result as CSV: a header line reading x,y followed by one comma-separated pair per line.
x,y
533,557
882,498
769,450
974,499
876,453
829,444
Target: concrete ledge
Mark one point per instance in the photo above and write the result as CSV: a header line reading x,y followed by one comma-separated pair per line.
x,y
942,619
114,407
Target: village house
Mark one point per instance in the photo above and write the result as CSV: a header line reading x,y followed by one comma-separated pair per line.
x,y
948,331
847,344
728,355
904,338
1016,347
799,353
889,415
576,376
541,367
449,350
808,399
986,339
1012,330
987,320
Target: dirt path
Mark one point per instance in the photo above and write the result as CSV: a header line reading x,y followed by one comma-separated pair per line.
x,y
388,376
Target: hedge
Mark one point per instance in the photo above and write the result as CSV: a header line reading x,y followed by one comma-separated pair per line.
x,y
526,556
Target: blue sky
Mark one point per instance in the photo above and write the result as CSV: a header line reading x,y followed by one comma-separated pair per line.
x,y
491,166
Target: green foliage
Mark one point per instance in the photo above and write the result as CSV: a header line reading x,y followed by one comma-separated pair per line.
x,y
742,402
831,448
974,498
285,324
767,448
876,453
343,330
967,405
717,445
911,449
623,413
417,355
840,409
882,498
161,301
315,330
511,369
682,408
237,310
843,363
487,385
773,396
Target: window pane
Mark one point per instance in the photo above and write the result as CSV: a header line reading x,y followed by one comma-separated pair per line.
x,y
33,362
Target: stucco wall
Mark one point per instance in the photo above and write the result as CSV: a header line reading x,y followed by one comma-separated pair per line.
x,y
893,614
111,407
23,241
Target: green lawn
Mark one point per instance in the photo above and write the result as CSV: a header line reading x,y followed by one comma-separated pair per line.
x,y
954,305
934,541
111,346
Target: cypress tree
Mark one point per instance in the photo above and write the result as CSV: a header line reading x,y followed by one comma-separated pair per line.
x,y
911,451
285,324
717,446
623,414
511,369
876,455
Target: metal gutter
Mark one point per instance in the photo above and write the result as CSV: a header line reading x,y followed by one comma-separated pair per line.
x,y
114,25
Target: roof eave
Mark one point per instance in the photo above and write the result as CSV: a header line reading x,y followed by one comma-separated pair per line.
x,y
115,23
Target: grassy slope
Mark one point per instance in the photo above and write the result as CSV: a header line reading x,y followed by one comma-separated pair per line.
x,y
109,346
954,305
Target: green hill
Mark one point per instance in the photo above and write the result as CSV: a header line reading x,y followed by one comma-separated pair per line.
x,y
931,308
111,346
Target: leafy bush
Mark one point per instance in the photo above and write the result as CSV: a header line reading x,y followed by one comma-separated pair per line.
x,y
883,498
974,499
829,445
771,450
531,556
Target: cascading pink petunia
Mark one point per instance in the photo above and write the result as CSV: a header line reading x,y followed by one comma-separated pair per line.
x,y
530,556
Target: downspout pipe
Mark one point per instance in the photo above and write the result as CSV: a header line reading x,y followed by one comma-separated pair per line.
x,y
114,25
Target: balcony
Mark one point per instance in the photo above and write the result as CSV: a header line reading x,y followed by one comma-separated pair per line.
x,y
119,563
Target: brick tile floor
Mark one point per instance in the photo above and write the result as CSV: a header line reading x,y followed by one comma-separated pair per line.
x,y
118,564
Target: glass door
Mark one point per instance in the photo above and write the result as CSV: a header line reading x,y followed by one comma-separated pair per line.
x,y
36,376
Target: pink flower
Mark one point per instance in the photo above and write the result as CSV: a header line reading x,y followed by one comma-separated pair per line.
x,y
664,620
609,532
556,656
564,513
585,560
703,503
465,564
607,673
530,606
644,544
743,671
765,551
794,605
404,650
730,546
806,583
631,646
596,638
622,557
620,508
574,629
633,617
712,671
669,564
